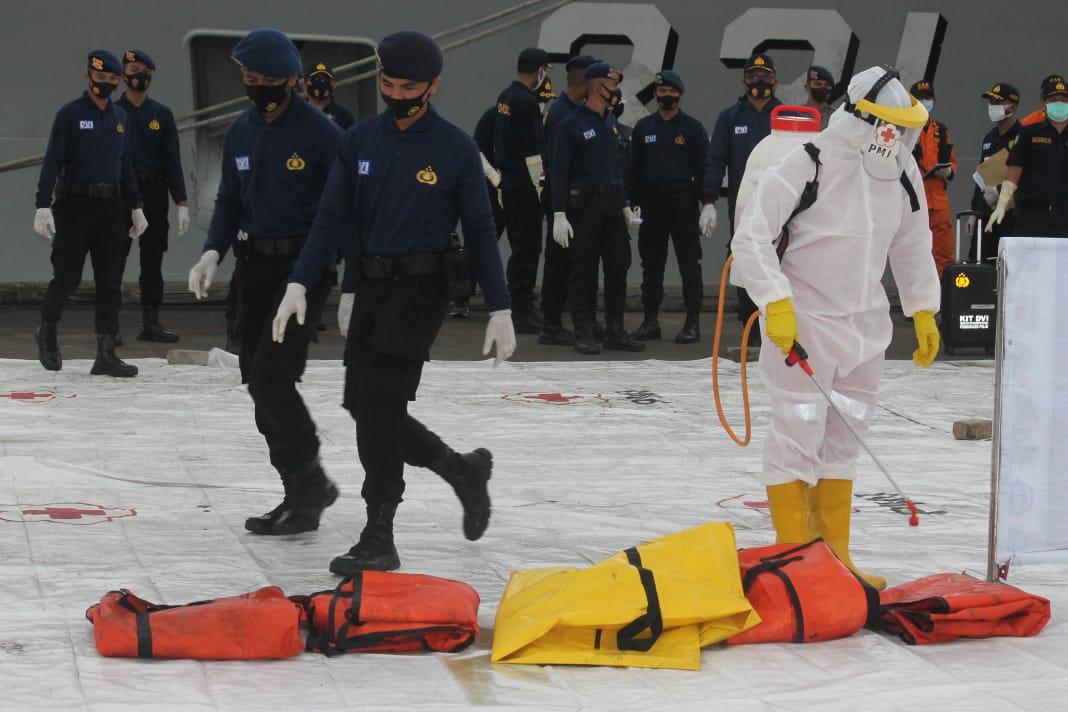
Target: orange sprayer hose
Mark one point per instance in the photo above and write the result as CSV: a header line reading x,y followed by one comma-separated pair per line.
x,y
715,362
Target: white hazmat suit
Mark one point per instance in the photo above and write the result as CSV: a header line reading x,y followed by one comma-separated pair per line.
x,y
831,274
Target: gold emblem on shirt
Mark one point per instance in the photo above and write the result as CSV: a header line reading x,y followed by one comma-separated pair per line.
x,y
295,163
680,140
503,109
154,125
120,128
427,176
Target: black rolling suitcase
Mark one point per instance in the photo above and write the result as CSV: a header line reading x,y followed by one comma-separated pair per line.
x,y
969,297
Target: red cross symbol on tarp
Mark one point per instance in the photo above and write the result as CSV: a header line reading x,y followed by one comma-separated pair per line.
x,y
63,512
552,397
28,395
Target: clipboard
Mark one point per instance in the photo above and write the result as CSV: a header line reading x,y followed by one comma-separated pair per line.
x,y
993,169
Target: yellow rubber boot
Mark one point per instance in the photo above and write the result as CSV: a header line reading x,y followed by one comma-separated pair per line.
x,y
789,508
832,507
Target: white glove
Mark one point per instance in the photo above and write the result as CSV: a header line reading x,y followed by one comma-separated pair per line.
x,y
707,221
294,302
203,273
1008,188
140,224
499,330
562,231
990,195
944,172
492,174
344,311
43,223
632,216
183,219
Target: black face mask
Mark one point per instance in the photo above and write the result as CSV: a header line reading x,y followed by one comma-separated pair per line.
x,y
821,95
405,108
761,90
267,97
138,82
668,102
319,89
102,90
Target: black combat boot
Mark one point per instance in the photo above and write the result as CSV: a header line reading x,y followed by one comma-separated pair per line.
x,y
617,339
307,494
48,346
152,330
585,341
649,329
375,549
553,333
107,363
469,476
691,329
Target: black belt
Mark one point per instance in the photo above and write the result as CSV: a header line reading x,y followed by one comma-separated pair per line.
x,y
96,191
678,186
275,246
402,266
148,177
598,188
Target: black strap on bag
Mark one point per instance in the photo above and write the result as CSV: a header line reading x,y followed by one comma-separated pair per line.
x,y
809,194
653,618
774,566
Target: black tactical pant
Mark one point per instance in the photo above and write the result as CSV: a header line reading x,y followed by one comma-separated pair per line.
x,y
94,227
599,233
670,215
522,216
152,243
272,370
394,323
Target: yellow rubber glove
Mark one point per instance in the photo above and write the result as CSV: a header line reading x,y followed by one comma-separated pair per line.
x,y
926,336
781,324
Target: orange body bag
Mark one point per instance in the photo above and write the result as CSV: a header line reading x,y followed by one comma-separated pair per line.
x,y
380,612
261,624
945,607
803,594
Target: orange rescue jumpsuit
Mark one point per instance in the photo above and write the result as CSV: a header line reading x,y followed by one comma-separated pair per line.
x,y
933,147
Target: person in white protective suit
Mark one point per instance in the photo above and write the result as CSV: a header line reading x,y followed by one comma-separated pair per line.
x,y
826,294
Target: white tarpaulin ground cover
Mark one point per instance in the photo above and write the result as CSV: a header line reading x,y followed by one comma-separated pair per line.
x,y
145,484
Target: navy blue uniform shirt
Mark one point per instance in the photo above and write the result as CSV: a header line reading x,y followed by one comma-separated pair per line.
x,y
273,174
92,144
394,192
153,137
559,110
339,115
672,151
993,142
586,149
516,134
739,128
1043,155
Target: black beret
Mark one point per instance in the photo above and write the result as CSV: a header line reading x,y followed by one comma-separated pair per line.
x,y
599,70
103,61
531,60
136,55
410,55
668,78
818,72
268,52
580,62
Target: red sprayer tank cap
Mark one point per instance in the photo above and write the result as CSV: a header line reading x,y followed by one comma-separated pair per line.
x,y
808,122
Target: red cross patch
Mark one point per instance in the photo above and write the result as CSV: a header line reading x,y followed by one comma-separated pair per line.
x,y
78,513
887,135
555,398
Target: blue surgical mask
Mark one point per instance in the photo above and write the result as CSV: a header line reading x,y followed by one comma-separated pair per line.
x,y
928,104
1057,111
